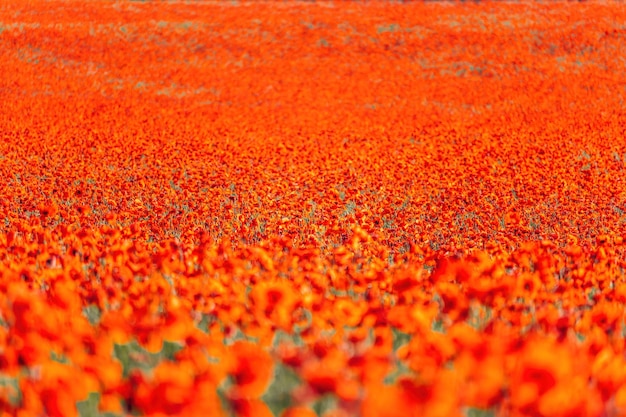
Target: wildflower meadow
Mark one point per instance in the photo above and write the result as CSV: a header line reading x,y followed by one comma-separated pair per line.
x,y
312,208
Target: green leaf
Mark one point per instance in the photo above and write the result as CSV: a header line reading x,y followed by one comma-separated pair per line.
x,y
281,336
325,403
59,357
477,412
15,395
278,395
93,314
400,370
133,356
169,350
399,338
89,407
205,322
437,326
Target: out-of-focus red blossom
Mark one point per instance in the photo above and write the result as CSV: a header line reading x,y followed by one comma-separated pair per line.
x,y
250,408
413,398
251,370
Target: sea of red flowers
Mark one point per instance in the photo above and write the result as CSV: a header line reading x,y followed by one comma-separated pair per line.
x,y
368,208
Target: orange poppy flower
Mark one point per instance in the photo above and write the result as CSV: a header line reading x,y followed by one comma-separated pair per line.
x,y
250,408
252,370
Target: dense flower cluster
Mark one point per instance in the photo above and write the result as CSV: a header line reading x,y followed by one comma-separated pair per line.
x,y
300,208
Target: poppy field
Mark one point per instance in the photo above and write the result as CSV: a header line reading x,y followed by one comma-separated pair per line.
x,y
312,209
